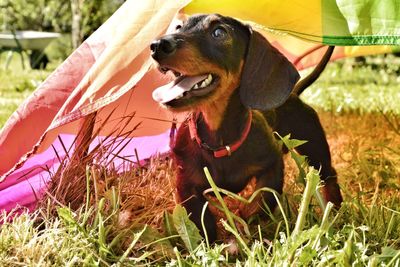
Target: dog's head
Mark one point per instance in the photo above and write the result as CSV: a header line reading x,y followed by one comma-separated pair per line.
x,y
211,56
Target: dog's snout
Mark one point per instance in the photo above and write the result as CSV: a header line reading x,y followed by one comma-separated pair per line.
x,y
163,47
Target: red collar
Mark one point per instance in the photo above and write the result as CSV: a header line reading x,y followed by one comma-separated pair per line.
x,y
224,150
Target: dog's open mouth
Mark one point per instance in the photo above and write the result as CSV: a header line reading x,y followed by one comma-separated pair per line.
x,y
185,87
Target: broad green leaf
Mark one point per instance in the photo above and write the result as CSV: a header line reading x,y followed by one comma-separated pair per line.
x,y
156,241
169,227
291,143
300,160
388,252
186,229
66,215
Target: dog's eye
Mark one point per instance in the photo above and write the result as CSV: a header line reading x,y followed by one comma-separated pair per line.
x,y
219,33
178,27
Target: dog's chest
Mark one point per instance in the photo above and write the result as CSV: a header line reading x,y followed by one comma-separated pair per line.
x,y
233,172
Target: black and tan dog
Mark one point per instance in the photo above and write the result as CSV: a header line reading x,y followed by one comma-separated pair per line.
x,y
238,90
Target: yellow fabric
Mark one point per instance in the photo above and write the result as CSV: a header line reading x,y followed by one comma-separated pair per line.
x,y
294,16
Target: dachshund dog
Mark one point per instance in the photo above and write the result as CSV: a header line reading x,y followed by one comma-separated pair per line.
x,y
237,89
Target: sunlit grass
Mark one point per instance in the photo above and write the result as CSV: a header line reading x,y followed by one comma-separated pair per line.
x,y
16,84
129,218
348,86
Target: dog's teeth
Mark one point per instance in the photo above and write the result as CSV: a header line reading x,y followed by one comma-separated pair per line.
x,y
206,82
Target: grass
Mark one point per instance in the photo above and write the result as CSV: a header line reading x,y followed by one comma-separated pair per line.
x,y
14,89
348,86
17,83
100,217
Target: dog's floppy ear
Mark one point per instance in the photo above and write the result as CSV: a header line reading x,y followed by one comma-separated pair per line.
x,y
267,76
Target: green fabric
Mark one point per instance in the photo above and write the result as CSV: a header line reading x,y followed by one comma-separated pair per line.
x,y
361,22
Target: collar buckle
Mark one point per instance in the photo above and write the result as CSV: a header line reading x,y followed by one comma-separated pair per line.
x,y
228,149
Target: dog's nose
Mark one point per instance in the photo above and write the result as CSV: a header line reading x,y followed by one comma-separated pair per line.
x,y
163,47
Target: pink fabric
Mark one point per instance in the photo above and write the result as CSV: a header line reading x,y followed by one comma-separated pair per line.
x,y
28,184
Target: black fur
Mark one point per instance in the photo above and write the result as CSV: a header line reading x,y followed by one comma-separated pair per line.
x,y
266,82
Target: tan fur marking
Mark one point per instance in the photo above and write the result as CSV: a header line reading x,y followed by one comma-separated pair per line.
x,y
213,107
213,110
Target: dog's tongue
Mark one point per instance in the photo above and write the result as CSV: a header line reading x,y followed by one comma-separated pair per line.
x,y
172,90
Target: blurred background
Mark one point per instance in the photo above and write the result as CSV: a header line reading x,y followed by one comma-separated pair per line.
x,y
22,70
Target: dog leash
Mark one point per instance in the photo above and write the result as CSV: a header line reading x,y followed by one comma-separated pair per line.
x,y
224,150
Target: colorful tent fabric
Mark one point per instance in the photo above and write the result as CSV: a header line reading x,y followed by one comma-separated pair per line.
x,y
111,73
341,22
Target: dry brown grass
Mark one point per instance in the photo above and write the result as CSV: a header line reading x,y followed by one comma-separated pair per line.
x,y
364,149
143,192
